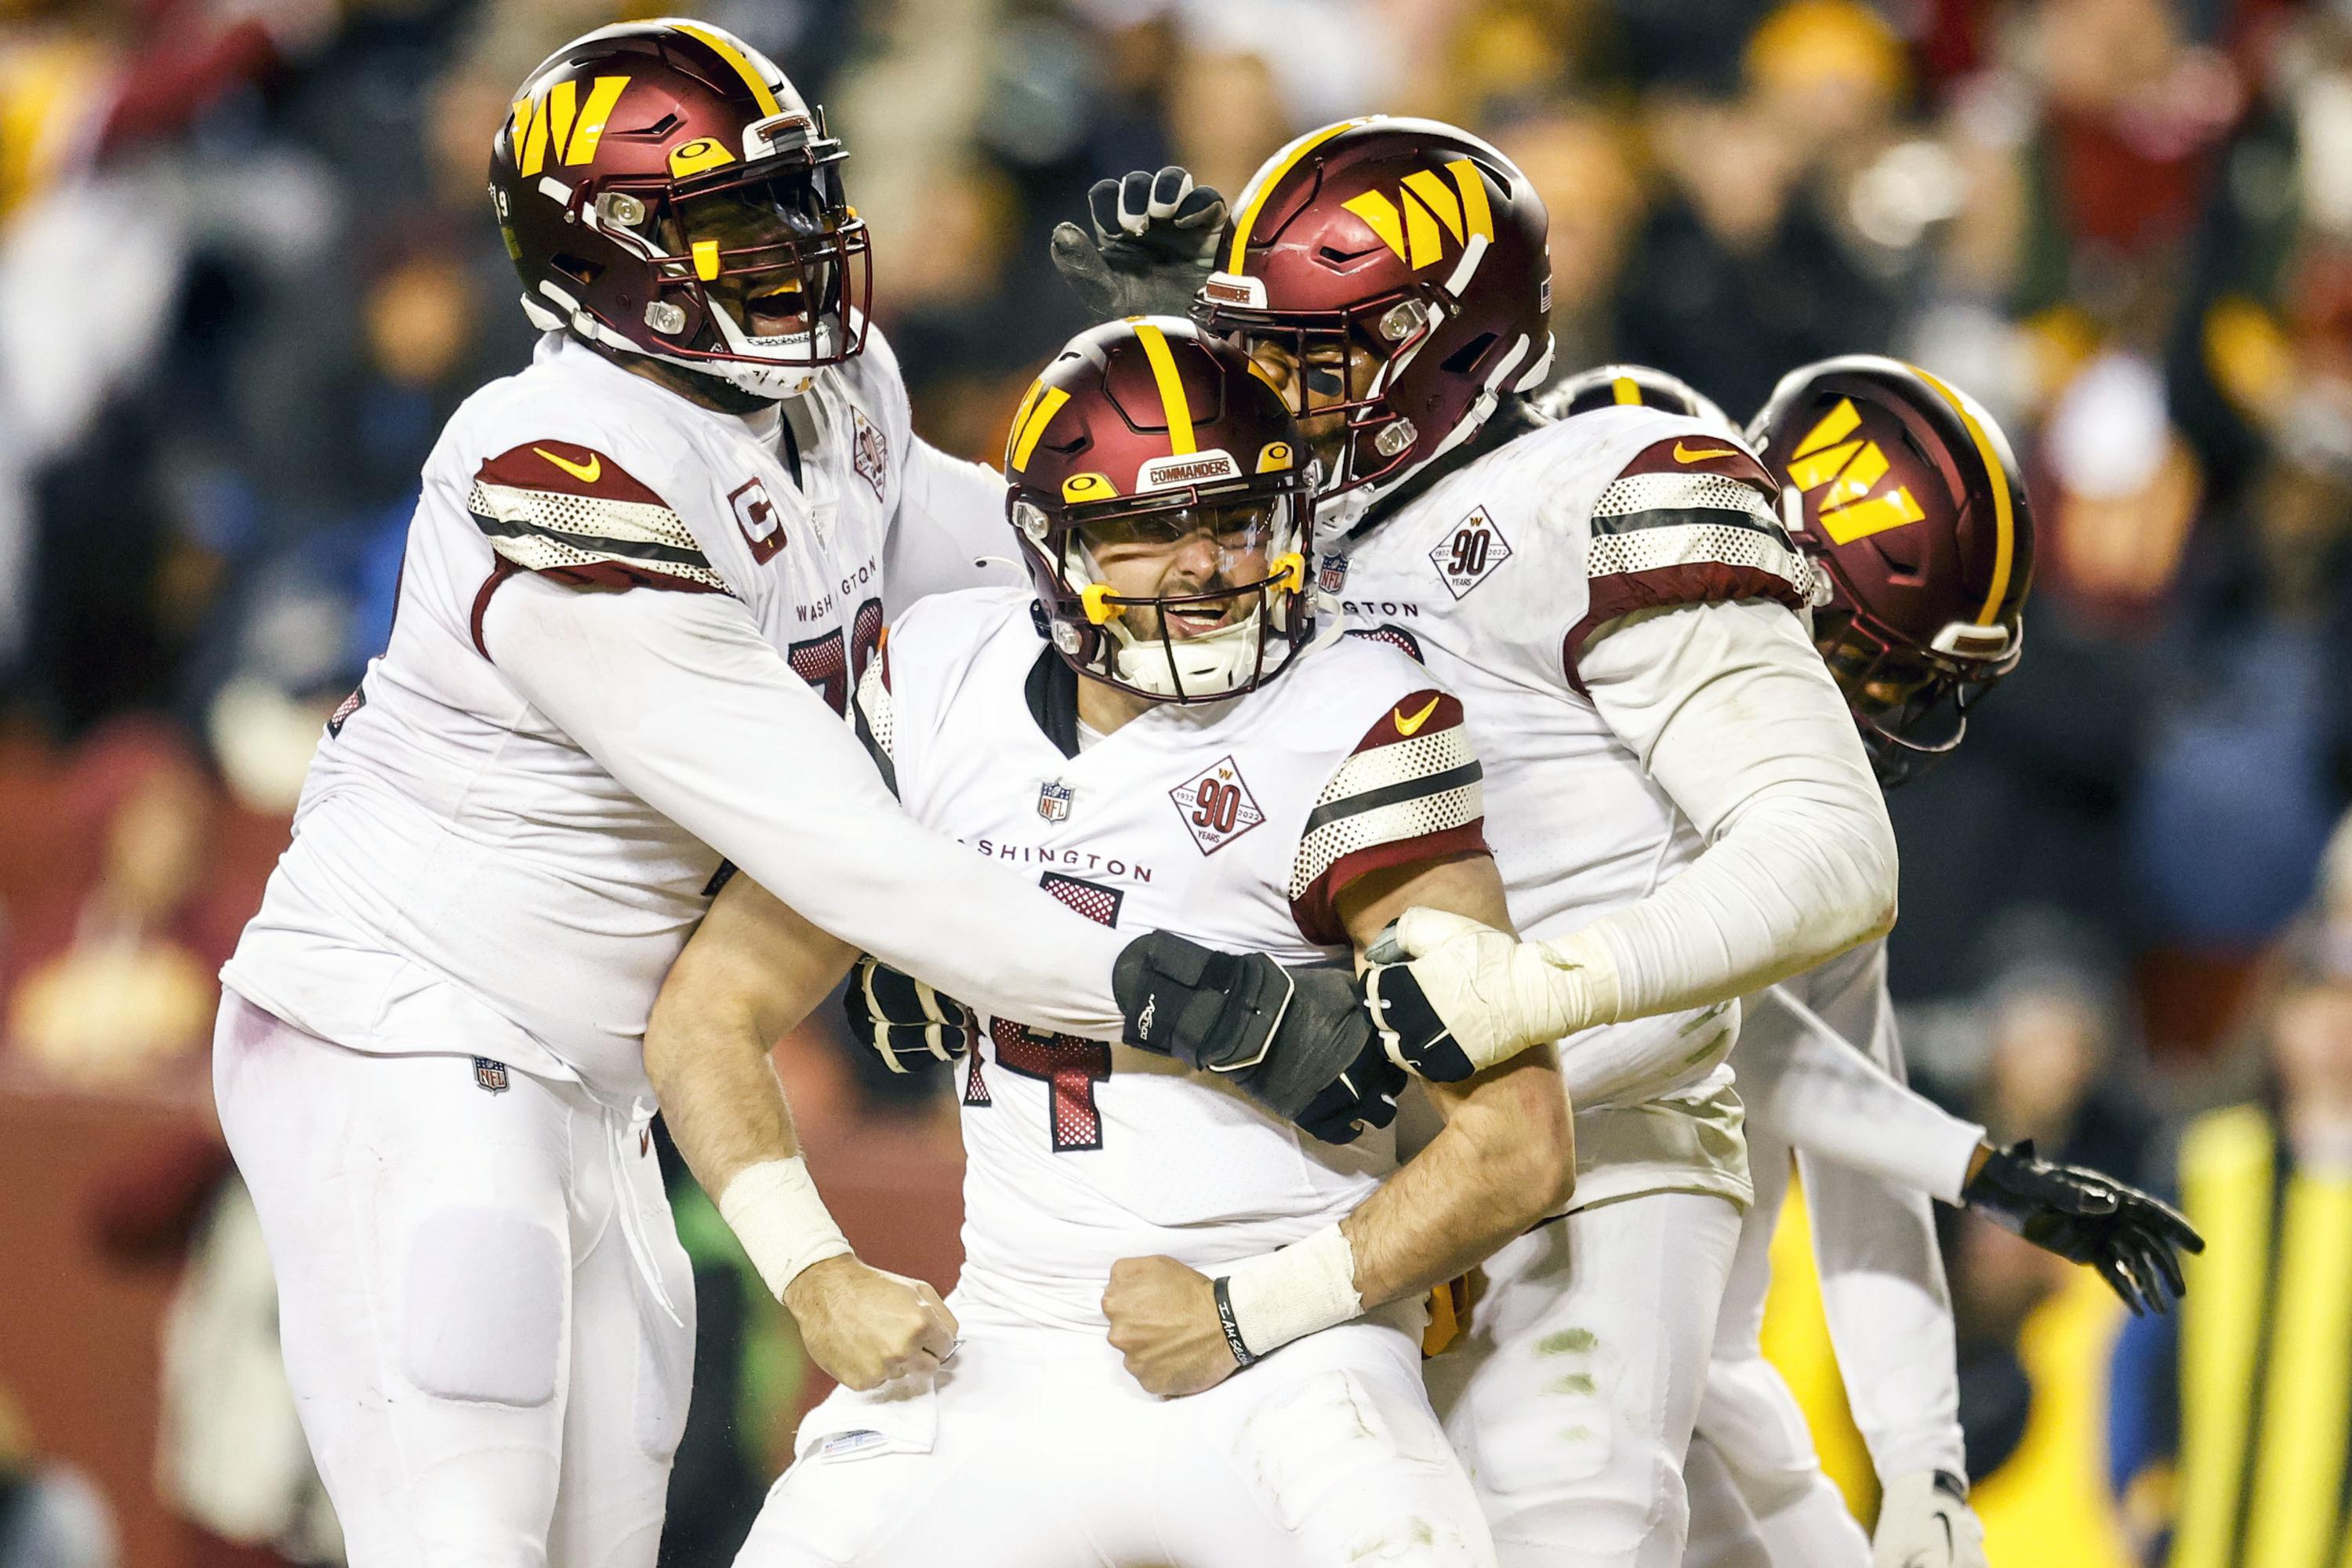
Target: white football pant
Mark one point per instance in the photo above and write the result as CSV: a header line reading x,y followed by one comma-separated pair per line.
x,y
1033,1448
487,1370
1573,1393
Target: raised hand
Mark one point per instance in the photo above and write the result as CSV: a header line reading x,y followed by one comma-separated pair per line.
x,y
1154,242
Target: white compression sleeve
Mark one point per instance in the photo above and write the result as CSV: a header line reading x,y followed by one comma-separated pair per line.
x,y
951,514
1825,1097
1729,709
679,698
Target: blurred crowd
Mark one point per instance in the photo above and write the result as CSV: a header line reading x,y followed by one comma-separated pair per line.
x,y
246,269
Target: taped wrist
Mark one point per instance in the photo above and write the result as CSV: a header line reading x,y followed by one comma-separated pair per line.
x,y
1584,974
774,1211
1264,1303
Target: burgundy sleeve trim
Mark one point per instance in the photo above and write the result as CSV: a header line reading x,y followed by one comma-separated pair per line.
x,y
1702,582
501,571
1317,909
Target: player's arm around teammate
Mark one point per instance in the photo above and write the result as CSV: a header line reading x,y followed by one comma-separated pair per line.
x,y
752,971
1725,706
1506,1159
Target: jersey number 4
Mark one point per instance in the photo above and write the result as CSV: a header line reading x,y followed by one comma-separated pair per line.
x,y
1071,1067
833,668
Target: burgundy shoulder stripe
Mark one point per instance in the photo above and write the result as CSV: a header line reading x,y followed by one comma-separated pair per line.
x,y
565,468
1700,454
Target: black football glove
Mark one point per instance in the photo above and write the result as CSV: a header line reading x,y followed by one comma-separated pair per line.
x,y
909,1024
1298,1041
1153,244
2132,1239
1410,1031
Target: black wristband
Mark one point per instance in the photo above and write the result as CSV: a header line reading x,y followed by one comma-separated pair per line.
x,y
1242,1355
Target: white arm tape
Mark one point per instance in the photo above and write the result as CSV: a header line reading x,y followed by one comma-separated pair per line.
x,y
773,1209
1299,1290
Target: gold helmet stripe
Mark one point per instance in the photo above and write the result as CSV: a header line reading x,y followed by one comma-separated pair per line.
x,y
1475,210
2004,547
1171,389
1253,199
1625,389
734,56
589,129
1031,425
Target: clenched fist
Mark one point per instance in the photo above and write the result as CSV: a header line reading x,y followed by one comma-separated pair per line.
x,y
1163,1319
866,1326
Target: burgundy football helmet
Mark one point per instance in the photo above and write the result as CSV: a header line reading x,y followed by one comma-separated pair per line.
x,y
1398,270
663,191
1616,385
1907,497
1148,431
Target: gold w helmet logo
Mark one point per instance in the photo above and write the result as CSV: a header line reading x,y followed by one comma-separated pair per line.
x,y
1846,472
1425,205
557,119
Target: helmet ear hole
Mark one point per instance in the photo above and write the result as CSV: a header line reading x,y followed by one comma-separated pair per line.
x,y
580,271
1465,359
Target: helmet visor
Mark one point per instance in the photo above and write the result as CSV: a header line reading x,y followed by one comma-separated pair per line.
x,y
1187,570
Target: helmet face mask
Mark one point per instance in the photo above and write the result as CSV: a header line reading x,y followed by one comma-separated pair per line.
x,y
1334,368
1189,596
761,279
1911,704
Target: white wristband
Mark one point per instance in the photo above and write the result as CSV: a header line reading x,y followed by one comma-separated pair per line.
x,y
1301,1289
773,1209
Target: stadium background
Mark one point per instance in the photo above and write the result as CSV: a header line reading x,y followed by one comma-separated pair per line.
x,y
246,269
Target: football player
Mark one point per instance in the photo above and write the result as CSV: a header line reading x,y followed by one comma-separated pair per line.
x,y
1904,492
643,579
1682,813
1169,732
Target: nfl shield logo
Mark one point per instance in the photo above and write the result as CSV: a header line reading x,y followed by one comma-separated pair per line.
x,y
1054,800
1333,574
489,1076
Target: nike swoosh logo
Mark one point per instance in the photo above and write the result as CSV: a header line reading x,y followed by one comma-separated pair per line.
x,y
1697,454
588,473
1409,726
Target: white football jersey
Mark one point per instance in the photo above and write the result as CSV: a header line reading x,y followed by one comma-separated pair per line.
x,y
1233,823
463,876
1494,578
